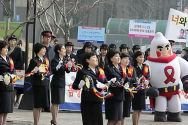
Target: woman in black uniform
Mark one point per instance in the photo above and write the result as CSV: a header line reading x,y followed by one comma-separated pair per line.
x,y
131,74
114,104
40,85
91,105
6,86
142,70
58,80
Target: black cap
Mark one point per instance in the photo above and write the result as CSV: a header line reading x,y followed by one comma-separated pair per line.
x,y
123,46
20,42
104,46
46,33
69,44
136,47
53,37
113,46
12,37
88,44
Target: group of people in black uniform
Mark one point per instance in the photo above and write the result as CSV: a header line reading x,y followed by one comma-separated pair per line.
x,y
118,66
106,69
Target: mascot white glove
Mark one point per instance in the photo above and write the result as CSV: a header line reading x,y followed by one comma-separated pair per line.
x,y
81,84
100,85
59,65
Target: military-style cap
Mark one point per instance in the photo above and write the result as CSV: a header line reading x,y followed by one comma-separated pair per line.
x,y
113,46
46,33
185,49
20,42
69,44
88,44
12,37
53,37
104,46
123,46
135,47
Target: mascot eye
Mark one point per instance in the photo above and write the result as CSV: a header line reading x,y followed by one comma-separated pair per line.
x,y
167,48
160,49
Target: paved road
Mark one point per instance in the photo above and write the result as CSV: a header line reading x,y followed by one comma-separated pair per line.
x,y
25,117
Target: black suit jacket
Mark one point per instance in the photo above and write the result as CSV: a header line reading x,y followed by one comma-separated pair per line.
x,y
139,73
58,78
5,68
112,72
103,64
78,54
37,77
17,57
87,95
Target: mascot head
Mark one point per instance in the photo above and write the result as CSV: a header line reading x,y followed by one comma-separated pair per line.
x,y
160,46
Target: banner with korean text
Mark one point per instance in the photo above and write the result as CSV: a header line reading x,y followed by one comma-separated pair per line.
x,y
177,27
142,29
92,34
73,97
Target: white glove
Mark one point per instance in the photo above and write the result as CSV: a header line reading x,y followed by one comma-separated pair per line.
x,y
81,84
146,82
1,78
100,85
59,64
69,64
113,80
127,84
36,69
11,75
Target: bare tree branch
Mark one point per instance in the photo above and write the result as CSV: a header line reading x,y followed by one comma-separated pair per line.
x,y
41,23
4,7
38,14
55,22
86,13
8,19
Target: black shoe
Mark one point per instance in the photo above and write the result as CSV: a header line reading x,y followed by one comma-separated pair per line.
x,y
160,116
174,117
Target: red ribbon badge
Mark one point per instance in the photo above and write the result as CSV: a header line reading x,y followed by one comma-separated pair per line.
x,y
169,76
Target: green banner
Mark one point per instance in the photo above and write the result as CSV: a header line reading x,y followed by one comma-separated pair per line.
x,y
12,27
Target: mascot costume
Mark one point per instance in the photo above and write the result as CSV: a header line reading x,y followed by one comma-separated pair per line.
x,y
166,71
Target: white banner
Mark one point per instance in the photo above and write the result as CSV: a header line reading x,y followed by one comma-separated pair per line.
x,y
177,27
142,29
73,97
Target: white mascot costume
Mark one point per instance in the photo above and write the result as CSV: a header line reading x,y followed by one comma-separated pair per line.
x,y
166,71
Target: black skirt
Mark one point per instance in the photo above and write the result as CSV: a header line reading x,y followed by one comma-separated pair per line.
x,y
139,102
19,90
114,109
127,105
6,102
57,95
91,113
40,96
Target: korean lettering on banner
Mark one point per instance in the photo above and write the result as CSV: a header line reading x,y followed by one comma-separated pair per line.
x,y
72,91
179,20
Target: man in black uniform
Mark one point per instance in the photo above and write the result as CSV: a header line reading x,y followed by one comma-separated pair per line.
x,y
50,54
112,46
103,62
186,54
69,49
16,55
